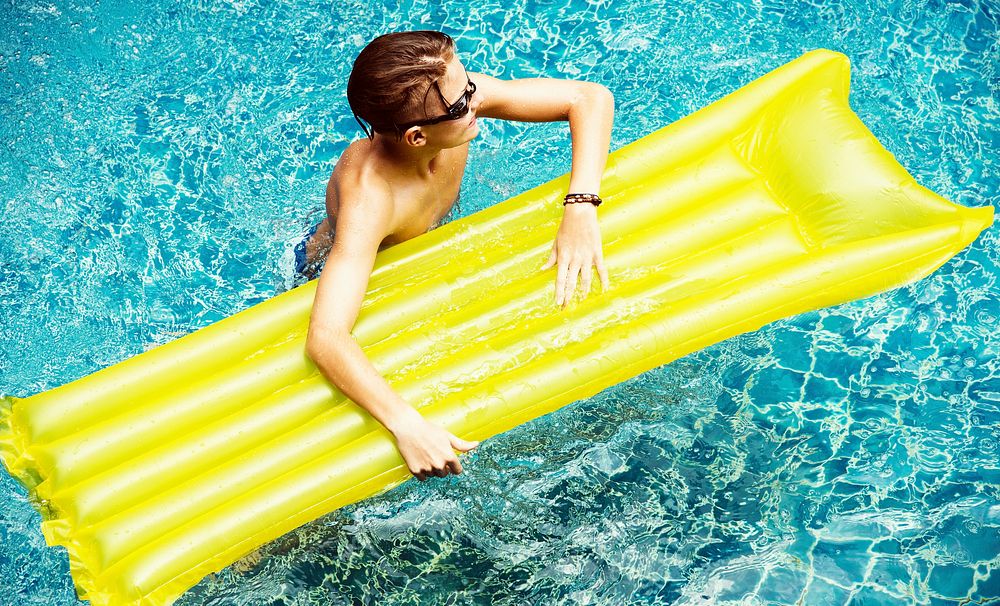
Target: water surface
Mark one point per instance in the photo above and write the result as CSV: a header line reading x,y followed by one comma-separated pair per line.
x,y
160,162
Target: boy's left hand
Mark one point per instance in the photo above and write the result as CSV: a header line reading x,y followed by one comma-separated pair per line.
x,y
577,248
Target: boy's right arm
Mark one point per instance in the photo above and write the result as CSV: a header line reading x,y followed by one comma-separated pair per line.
x,y
426,447
339,293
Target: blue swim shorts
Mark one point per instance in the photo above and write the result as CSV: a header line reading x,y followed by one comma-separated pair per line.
x,y
300,253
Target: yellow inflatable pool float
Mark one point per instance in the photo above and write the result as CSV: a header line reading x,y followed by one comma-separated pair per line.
x,y
772,201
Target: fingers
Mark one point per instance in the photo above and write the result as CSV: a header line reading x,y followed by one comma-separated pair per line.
x,y
463,445
423,474
566,279
440,470
427,454
574,272
552,258
602,273
561,281
452,466
569,268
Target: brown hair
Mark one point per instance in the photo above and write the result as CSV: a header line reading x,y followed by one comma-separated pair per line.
x,y
392,75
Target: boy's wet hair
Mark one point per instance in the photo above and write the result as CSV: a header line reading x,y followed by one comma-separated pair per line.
x,y
392,75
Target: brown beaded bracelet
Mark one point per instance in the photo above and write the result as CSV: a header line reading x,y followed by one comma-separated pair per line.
x,y
573,198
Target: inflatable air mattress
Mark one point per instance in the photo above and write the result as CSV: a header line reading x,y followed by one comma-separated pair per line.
x,y
772,201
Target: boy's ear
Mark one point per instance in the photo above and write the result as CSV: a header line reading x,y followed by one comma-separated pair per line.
x,y
415,136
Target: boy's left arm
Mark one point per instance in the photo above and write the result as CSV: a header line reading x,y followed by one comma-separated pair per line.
x,y
589,107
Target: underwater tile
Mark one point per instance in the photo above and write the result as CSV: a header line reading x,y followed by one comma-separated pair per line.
x,y
982,475
871,596
822,389
838,324
843,488
836,467
844,562
839,363
817,414
966,540
738,583
782,586
950,581
888,546
791,348
801,548
872,412
820,592
860,526
985,391
776,385
888,572
989,587
943,496
941,389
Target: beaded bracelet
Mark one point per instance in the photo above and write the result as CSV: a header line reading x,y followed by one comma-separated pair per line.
x,y
573,198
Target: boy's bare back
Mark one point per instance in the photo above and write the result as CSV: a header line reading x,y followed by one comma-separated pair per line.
x,y
418,203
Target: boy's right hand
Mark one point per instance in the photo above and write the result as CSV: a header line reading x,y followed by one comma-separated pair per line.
x,y
429,449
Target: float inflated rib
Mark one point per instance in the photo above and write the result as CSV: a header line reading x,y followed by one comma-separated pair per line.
x,y
772,201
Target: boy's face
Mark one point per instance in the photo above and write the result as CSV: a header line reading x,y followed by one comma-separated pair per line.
x,y
450,133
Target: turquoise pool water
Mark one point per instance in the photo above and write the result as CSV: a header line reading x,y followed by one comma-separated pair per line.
x,y
159,163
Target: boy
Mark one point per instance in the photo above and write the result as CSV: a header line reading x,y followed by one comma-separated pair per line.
x,y
400,182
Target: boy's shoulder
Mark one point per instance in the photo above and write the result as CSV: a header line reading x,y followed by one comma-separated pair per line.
x,y
354,182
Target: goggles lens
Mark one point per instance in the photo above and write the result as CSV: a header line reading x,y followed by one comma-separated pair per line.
x,y
461,107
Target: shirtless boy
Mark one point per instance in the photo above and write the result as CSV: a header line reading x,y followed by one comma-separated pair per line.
x,y
423,106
